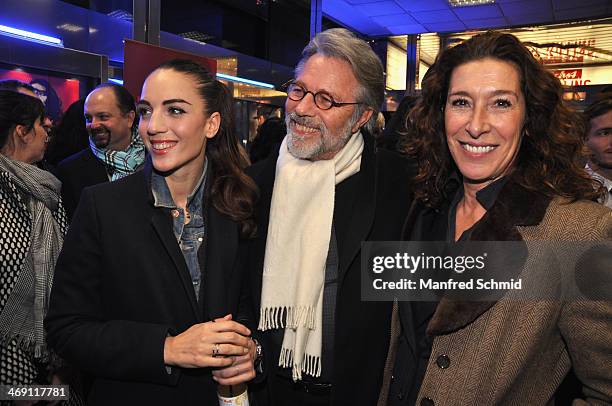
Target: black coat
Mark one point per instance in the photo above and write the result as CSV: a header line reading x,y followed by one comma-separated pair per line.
x,y
77,172
122,285
370,205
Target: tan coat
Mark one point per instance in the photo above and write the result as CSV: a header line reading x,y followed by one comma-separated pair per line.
x,y
517,352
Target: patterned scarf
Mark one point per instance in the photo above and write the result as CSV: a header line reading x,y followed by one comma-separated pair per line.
x,y
35,223
121,163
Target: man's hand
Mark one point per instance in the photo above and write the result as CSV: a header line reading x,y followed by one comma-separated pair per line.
x,y
241,370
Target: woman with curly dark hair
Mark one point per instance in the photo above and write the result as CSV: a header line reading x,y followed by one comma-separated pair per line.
x,y
148,284
500,159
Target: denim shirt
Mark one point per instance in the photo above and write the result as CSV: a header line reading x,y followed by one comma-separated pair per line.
x,y
191,235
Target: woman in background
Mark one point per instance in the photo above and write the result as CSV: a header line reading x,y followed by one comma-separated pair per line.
x,y
32,225
500,160
148,284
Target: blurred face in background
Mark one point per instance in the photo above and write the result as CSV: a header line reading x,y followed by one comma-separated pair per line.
x,y
599,141
107,126
41,92
255,121
484,116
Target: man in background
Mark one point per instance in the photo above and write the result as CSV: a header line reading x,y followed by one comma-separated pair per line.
x,y
599,140
115,148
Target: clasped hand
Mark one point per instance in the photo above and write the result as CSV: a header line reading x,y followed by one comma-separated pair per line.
x,y
223,343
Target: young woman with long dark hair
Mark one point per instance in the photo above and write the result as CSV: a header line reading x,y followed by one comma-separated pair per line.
x,y
148,286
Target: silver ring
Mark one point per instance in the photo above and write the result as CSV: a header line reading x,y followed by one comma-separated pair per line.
x,y
215,351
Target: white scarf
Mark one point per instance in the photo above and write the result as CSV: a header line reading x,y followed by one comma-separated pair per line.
x,y
297,244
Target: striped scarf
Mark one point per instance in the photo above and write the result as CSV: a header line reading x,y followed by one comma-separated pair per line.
x,y
121,163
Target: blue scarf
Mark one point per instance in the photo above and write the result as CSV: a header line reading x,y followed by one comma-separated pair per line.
x,y
121,163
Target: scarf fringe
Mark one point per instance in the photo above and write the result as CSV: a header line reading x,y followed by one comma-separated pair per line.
x,y
294,316
310,365
26,344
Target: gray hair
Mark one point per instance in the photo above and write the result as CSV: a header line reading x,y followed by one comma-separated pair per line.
x,y
342,44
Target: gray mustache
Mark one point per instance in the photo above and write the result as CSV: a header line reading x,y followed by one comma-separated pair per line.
x,y
306,121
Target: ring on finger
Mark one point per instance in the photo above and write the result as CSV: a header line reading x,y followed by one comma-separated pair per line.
x,y
215,350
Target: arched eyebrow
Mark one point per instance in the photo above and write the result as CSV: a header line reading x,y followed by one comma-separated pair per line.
x,y
171,101
502,92
165,102
499,92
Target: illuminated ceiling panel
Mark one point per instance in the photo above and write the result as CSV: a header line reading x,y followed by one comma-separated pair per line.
x,y
569,44
397,17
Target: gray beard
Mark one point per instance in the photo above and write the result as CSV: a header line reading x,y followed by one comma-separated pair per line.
x,y
326,143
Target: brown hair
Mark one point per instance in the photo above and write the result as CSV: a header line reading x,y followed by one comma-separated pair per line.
x,y
233,192
550,159
601,105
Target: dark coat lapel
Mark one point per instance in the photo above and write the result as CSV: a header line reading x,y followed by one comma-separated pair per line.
x,y
515,206
162,224
94,169
361,216
219,255
263,173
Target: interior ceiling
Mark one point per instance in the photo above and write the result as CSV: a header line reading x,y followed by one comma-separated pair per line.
x,y
400,17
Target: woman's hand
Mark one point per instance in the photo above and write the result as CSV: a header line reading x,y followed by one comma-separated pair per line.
x,y
241,370
210,344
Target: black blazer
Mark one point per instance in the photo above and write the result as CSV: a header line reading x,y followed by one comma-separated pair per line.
x,y
370,205
76,173
122,285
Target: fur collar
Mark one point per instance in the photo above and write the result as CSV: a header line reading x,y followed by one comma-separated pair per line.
x,y
515,206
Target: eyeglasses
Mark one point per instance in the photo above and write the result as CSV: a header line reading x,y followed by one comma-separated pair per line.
x,y
323,100
48,132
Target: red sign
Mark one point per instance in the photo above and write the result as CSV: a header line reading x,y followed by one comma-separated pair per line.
x,y
141,59
571,77
568,74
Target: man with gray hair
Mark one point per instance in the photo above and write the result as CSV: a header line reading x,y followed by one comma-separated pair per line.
x,y
324,192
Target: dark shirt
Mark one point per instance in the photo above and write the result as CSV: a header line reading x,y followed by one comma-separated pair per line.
x,y
485,196
189,235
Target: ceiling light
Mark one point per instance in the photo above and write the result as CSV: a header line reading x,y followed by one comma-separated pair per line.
x,y
30,36
466,3
122,15
70,27
244,81
197,36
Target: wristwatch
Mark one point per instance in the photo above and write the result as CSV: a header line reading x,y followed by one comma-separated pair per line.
x,y
258,362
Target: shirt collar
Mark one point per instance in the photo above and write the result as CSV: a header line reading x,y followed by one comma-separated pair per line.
x,y
485,196
606,182
162,196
